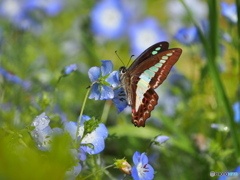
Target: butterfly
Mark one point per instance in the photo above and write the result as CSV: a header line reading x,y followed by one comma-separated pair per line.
x,y
144,75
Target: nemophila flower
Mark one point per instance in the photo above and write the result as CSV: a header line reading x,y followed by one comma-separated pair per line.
x,y
49,7
119,99
103,80
94,138
42,133
142,170
178,13
236,109
187,36
108,19
74,172
134,9
176,78
28,14
169,102
229,11
144,34
15,79
160,139
234,175
69,69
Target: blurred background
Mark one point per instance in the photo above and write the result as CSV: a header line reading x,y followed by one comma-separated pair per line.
x,y
199,102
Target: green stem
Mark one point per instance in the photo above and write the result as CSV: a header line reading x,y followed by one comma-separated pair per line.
x,y
106,109
81,113
103,169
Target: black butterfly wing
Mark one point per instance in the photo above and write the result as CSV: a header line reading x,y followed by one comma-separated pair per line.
x,y
149,52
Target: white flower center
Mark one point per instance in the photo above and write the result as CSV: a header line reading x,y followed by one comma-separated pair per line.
x,y
111,18
140,170
11,7
146,38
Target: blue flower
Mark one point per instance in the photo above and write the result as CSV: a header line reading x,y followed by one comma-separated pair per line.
x,y
187,36
50,7
237,171
15,79
69,69
103,80
142,170
160,139
144,34
119,99
108,19
22,13
43,134
229,11
96,137
236,109
74,172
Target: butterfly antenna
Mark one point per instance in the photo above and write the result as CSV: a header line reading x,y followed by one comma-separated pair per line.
x,y
129,60
119,57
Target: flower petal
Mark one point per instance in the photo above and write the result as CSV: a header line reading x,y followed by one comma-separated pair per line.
x,y
96,138
119,99
95,93
94,73
136,157
161,139
106,93
187,36
113,79
106,67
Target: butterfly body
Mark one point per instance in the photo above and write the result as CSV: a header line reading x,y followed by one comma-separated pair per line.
x,y
145,74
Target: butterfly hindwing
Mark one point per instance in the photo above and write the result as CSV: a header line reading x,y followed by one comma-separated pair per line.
x,y
148,103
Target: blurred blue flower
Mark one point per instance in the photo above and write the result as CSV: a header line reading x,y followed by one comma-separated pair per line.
x,y
134,9
74,172
169,103
178,79
69,69
177,13
237,170
229,11
144,34
160,139
28,14
119,99
15,79
108,19
49,7
103,80
187,36
142,170
96,137
236,109
43,134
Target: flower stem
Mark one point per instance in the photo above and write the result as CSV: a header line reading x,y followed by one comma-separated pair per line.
x,y
94,174
106,109
81,112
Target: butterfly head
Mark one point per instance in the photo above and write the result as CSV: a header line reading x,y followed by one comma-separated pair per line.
x,y
122,70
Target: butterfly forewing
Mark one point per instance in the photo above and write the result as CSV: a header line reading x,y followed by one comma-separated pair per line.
x,y
149,52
